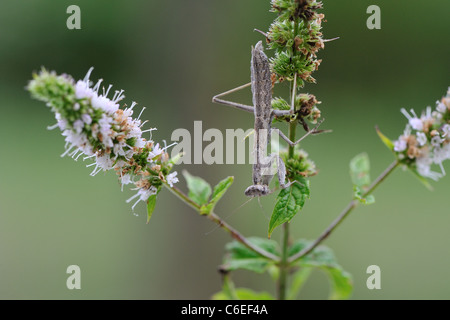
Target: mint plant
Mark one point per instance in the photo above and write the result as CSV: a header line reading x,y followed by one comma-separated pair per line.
x,y
97,129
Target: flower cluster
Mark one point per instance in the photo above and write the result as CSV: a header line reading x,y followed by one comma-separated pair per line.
x,y
426,139
296,37
299,165
96,128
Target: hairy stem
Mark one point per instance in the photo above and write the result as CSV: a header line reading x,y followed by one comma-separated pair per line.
x,y
221,223
352,205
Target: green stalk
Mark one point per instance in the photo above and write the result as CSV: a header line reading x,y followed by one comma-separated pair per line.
x,y
352,205
221,223
284,263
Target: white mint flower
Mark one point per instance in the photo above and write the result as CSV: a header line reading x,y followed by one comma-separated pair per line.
x,y
172,178
400,145
426,140
446,130
86,118
441,107
143,195
155,152
421,138
103,103
78,125
94,126
82,89
436,141
424,168
126,179
414,121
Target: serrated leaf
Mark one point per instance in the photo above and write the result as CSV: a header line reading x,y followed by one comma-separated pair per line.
x,y
244,294
360,170
240,257
151,203
289,202
387,142
324,259
218,192
199,189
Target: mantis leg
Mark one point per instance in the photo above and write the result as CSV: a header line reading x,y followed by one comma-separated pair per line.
x,y
291,143
217,99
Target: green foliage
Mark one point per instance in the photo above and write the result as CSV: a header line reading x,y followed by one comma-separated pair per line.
x,y
360,174
323,258
358,194
360,170
289,201
243,294
218,192
199,189
151,203
240,257
280,104
386,141
298,280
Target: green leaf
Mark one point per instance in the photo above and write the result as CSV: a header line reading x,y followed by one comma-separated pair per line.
x,y
360,174
298,280
218,192
324,259
240,257
320,256
244,294
289,201
360,170
199,189
358,195
151,203
258,265
341,283
387,142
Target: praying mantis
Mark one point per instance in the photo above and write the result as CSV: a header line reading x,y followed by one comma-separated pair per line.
x,y
261,86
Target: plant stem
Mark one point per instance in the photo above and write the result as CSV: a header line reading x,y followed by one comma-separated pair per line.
x,y
221,223
284,264
344,213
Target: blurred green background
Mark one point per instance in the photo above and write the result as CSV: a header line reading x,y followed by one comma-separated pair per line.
x,y
173,56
